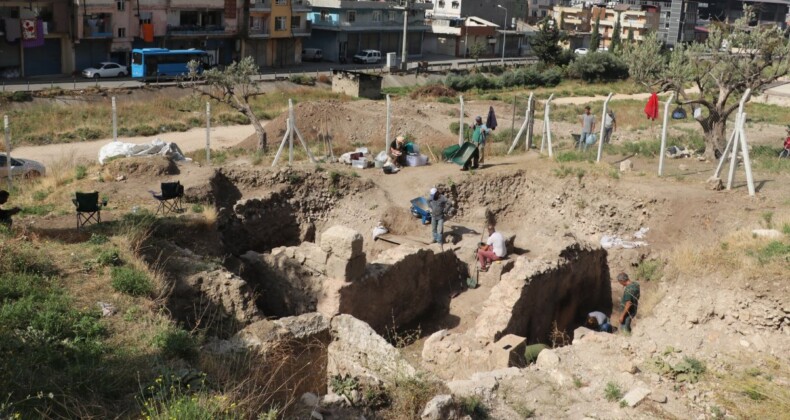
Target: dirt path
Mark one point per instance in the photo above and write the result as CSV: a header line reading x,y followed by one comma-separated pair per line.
x,y
194,139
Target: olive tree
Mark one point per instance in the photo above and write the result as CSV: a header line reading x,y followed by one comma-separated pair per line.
x,y
234,86
734,58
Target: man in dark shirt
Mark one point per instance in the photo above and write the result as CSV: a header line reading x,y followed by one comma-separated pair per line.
x,y
629,303
438,202
5,215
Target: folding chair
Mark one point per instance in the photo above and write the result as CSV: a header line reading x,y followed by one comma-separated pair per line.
x,y
170,197
88,208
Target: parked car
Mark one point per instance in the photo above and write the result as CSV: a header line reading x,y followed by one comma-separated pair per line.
x,y
368,56
312,54
581,51
21,167
105,69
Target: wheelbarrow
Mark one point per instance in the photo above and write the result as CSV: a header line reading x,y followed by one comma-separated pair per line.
x,y
420,208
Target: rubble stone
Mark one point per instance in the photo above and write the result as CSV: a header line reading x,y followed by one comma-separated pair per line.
x,y
342,242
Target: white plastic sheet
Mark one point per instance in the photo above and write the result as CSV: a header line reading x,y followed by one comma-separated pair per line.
x,y
614,241
156,147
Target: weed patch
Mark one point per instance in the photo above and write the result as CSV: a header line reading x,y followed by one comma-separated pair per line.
x,y
612,392
131,281
176,343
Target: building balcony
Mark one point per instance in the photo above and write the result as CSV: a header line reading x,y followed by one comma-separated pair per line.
x,y
303,31
261,6
192,30
259,32
370,4
301,6
97,26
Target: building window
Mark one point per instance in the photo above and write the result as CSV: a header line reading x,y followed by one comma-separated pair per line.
x,y
377,16
296,21
392,16
279,23
351,16
324,16
121,32
455,4
281,2
120,5
441,3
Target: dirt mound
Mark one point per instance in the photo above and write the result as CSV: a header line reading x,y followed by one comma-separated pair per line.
x,y
141,167
358,123
433,91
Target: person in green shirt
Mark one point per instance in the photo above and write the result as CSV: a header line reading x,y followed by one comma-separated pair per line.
x,y
629,302
479,134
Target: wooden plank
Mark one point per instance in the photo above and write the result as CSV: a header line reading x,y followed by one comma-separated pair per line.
x,y
401,240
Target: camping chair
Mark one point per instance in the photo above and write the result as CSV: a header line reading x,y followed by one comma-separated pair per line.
x,y
170,197
88,208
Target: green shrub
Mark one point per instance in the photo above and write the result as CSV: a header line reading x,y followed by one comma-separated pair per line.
x,y
454,128
173,127
131,281
473,406
598,66
176,343
649,270
98,239
40,195
38,209
574,156
612,392
21,257
197,208
775,250
143,130
302,79
88,133
80,172
233,118
446,100
109,257
20,96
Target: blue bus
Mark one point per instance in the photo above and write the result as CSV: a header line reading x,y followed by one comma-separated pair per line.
x,y
153,63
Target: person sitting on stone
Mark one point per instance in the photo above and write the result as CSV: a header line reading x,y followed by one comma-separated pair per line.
x,y
5,215
598,321
492,250
398,151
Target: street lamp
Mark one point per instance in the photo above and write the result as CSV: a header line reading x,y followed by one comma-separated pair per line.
x,y
504,34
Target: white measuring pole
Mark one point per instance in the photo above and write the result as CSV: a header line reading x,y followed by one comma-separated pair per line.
x,y
7,130
664,135
723,158
291,132
603,124
114,121
547,121
208,132
737,142
387,139
520,132
461,123
747,163
531,121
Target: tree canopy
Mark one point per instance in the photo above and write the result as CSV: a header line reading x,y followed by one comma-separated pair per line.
x,y
734,58
546,43
595,38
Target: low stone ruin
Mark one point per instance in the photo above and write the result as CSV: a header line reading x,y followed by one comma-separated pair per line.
x,y
335,277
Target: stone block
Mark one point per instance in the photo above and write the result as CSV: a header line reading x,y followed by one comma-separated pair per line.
x,y
548,359
350,270
342,242
441,407
508,351
635,396
315,257
626,166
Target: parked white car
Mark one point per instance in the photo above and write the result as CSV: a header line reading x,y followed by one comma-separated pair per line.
x,y
581,51
368,56
21,167
105,69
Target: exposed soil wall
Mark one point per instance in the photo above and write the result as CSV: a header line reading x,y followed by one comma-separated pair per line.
x,y
564,294
401,286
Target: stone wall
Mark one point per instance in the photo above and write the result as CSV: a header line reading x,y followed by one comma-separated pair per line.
x,y
356,84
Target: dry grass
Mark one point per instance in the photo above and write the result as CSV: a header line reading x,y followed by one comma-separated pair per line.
x,y
755,389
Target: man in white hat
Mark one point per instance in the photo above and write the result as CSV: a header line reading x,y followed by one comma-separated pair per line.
x,y
437,202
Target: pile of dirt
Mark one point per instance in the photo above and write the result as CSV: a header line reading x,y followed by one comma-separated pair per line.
x,y
141,167
433,91
359,123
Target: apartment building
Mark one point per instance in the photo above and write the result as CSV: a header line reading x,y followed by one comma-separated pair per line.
x,y
769,12
578,23
342,28
277,30
677,19
35,38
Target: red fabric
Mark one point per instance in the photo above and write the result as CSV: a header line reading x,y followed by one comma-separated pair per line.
x,y
787,143
651,109
148,32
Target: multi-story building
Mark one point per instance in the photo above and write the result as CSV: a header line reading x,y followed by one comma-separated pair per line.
x,y
578,23
342,28
769,12
455,36
35,38
276,32
678,19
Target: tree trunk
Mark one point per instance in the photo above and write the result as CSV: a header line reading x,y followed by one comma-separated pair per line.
x,y
715,129
263,144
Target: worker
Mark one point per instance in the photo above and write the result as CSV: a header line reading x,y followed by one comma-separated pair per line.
x,y
609,125
492,250
398,151
629,302
598,321
5,215
588,126
479,134
437,202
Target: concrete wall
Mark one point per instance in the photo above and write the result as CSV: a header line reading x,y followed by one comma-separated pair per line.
x,y
356,84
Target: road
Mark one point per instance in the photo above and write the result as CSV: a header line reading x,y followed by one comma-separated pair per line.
x,y
188,141
268,74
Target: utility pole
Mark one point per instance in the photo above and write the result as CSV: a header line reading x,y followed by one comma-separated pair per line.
x,y
404,62
504,33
